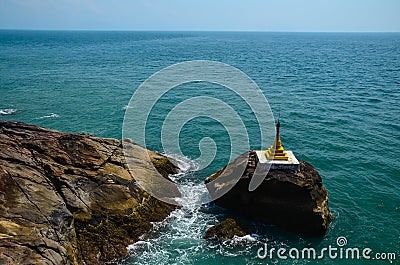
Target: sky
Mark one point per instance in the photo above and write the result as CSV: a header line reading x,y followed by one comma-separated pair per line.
x,y
203,15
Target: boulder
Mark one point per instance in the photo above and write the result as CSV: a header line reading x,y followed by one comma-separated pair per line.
x,y
71,198
224,230
294,200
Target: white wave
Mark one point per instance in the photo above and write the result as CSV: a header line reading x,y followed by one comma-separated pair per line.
x,y
184,163
138,244
52,115
8,111
239,241
246,238
182,231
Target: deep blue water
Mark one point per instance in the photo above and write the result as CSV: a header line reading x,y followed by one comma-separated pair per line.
x,y
338,95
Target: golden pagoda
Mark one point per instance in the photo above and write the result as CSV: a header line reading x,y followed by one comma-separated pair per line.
x,y
276,151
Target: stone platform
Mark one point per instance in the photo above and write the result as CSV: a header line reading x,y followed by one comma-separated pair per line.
x,y
291,164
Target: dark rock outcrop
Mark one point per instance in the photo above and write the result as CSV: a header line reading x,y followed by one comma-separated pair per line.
x,y
70,198
224,230
294,200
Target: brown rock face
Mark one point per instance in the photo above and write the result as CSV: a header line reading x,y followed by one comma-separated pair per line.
x,y
297,201
71,199
224,230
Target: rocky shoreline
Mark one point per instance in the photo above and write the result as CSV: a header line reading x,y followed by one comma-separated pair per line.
x,y
70,198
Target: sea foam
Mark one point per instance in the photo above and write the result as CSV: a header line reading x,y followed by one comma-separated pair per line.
x,y
7,111
51,115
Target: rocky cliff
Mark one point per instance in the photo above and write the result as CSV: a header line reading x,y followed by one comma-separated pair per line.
x,y
70,198
294,200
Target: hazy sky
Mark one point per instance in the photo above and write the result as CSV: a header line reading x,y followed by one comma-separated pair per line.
x,y
245,15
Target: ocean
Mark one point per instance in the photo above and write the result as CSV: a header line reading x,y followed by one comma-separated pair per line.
x,y
337,95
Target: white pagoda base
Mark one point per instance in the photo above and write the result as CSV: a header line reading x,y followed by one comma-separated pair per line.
x,y
291,164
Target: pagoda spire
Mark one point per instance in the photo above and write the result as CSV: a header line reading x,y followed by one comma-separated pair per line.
x,y
276,151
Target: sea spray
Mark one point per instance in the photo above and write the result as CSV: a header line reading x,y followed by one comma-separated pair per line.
x,y
179,238
8,111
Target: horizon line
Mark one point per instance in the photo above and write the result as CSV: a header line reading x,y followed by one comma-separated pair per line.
x,y
212,30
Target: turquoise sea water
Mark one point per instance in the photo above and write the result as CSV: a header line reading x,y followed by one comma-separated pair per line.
x,y
338,96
